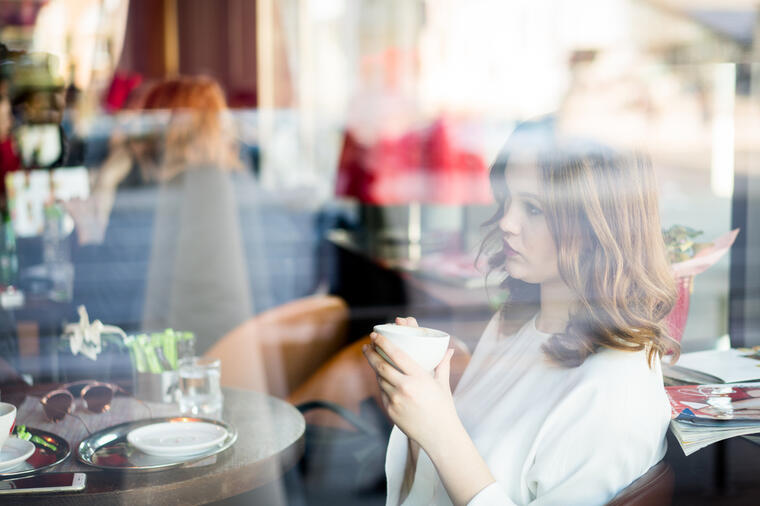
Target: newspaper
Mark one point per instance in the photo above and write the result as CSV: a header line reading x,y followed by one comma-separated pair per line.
x,y
704,414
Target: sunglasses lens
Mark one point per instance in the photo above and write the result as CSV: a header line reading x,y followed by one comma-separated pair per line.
x,y
98,398
56,406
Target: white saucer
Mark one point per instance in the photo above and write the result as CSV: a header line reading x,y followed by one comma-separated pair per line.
x,y
14,452
177,439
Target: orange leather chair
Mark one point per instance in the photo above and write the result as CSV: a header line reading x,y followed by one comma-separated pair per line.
x,y
653,488
279,349
347,379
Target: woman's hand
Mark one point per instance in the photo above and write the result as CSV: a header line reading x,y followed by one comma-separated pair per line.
x,y
421,405
409,321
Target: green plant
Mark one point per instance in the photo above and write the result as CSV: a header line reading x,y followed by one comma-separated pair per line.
x,y
680,244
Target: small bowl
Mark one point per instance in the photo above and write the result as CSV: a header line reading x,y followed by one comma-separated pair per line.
x,y
426,346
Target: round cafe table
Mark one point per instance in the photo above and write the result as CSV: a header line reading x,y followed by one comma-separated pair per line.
x,y
270,441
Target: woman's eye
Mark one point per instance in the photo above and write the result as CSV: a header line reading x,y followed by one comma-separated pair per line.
x,y
533,210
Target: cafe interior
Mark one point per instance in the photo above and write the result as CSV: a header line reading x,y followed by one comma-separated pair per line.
x,y
208,206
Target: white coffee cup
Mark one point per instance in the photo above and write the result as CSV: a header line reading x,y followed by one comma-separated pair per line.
x,y
7,417
426,346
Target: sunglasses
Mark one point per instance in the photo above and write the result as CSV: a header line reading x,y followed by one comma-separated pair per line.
x,y
97,398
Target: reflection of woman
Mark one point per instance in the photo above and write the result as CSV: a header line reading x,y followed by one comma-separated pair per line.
x,y
199,133
197,277
563,401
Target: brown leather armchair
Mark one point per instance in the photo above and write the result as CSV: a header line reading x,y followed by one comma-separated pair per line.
x,y
279,349
653,488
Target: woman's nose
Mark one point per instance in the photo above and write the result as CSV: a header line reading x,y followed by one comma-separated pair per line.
x,y
510,221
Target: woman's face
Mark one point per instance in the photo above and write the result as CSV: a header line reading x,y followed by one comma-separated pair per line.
x,y
529,246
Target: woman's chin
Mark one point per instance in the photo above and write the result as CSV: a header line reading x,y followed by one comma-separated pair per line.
x,y
514,275
514,271
522,276
524,273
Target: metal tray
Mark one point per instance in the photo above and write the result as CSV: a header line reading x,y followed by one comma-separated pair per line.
x,y
109,448
43,458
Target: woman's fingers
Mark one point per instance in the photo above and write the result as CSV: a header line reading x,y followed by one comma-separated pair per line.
x,y
382,368
443,370
386,387
384,399
410,321
403,362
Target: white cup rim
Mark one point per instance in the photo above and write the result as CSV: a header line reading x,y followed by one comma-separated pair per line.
x,y
6,407
410,331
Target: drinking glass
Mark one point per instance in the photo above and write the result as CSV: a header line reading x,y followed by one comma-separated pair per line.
x,y
199,391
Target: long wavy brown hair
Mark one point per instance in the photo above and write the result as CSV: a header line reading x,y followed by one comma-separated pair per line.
x,y
200,132
601,208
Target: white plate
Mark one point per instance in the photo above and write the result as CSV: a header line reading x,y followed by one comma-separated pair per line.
x,y
14,452
176,439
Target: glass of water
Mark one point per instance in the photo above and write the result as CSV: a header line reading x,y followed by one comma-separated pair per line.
x,y
199,391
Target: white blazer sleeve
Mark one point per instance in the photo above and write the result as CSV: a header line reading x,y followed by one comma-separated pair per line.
x,y
574,465
595,446
582,460
492,495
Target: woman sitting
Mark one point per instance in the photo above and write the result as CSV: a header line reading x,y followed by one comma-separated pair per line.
x,y
563,400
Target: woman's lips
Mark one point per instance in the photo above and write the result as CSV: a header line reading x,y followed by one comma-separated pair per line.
x,y
509,251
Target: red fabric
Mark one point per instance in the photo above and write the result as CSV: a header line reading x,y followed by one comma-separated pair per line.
x,y
676,320
9,161
121,86
420,166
